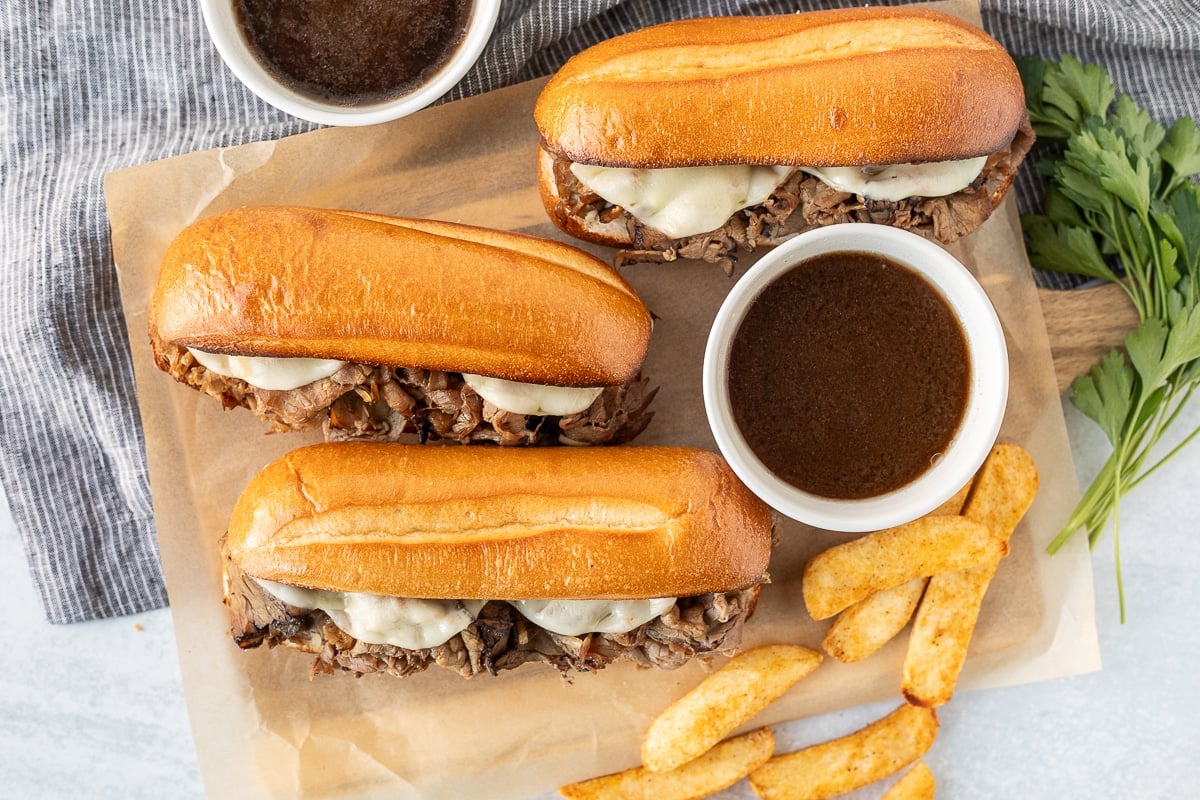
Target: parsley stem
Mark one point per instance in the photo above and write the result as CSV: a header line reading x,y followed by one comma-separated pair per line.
x,y
1089,504
1158,293
1178,406
1135,271
1117,559
1102,499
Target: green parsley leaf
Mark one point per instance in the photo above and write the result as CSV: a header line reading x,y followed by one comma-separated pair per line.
x,y
1102,155
1168,257
1133,124
1104,394
1181,151
1145,345
1064,248
1081,186
1048,121
1121,207
1183,340
1061,210
1179,221
1088,91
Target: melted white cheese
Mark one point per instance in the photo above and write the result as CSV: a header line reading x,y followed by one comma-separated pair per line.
x,y
898,181
576,617
378,619
532,398
417,624
292,373
683,201
269,373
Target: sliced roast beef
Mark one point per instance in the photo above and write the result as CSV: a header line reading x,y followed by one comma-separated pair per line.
x,y
361,401
499,638
802,202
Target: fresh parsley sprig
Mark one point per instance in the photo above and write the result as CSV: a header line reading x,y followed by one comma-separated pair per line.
x,y
1122,206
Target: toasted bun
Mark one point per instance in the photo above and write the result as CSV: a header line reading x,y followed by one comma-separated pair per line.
x,y
287,281
501,523
829,88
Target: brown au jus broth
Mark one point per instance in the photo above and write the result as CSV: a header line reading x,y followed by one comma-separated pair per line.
x,y
849,375
353,51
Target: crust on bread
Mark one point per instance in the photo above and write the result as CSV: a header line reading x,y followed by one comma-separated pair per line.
x,y
319,283
500,523
846,87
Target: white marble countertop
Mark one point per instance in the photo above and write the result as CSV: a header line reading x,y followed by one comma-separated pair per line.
x,y
96,710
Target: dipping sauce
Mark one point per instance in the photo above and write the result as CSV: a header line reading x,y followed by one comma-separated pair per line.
x,y
351,52
849,375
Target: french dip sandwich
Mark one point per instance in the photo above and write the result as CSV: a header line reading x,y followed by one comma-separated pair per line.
x,y
376,327
697,138
381,557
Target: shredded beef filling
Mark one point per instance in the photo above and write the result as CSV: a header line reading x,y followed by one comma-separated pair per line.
x,y
360,401
499,638
800,203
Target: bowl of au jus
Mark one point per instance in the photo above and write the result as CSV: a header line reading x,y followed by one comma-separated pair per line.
x,y
856,377
350,62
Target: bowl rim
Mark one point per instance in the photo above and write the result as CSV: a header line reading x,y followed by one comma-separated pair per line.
x,y
223,30
982,418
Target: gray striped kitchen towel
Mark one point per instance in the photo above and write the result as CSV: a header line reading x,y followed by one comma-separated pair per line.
x,y
88,87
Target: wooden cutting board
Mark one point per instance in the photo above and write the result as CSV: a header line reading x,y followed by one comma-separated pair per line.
x,y
1083,325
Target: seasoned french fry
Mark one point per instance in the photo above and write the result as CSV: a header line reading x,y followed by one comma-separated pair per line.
x,y
723,701
847,573
872,622
946,617
1004,489
719,768
941,633
842,765
916,784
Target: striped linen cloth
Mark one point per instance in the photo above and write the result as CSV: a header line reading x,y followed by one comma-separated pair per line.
x,y
88,87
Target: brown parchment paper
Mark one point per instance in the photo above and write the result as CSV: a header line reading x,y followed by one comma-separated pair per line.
x,y
263,729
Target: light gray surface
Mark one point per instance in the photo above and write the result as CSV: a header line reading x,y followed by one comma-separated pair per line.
x,y
96,709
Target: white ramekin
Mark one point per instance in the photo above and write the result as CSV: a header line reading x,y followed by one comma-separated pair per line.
x,y
986,402
221,20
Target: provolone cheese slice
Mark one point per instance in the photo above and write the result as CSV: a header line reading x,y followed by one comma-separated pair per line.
x,y
898,181
265,372
683,201
532,398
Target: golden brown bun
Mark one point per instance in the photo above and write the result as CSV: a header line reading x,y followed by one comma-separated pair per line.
x,y
289,281
827,88
501,523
